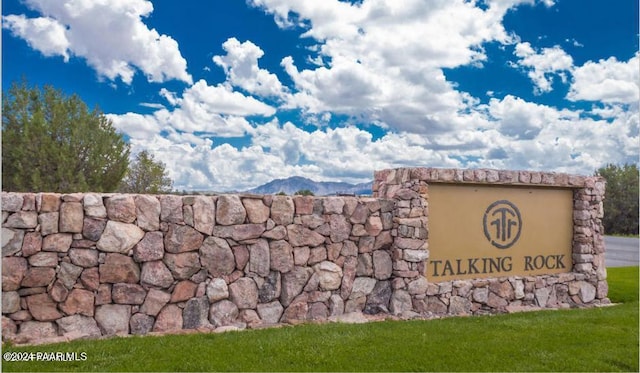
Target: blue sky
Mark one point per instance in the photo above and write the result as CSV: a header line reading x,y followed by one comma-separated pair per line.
x,y
232,94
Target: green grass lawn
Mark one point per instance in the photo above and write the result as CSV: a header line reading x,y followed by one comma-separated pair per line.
x,y
598,339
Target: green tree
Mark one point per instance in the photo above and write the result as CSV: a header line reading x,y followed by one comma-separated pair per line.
x,y
304,192
52,142
621,198
146,175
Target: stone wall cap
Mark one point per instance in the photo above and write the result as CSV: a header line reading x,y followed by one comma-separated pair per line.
x,y
486,176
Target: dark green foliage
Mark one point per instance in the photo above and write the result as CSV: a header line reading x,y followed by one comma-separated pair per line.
x,y
146,175
304,192
621,199
281,194
53,143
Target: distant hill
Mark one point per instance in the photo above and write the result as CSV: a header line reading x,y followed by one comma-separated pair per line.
x,y
319,188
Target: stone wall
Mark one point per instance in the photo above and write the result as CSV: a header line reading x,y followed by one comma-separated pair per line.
x,y
90,265
86,265
585,285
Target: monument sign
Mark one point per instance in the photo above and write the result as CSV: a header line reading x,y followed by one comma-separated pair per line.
x,y
479,231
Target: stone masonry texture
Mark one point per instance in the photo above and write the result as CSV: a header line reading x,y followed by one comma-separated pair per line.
x,y
90,265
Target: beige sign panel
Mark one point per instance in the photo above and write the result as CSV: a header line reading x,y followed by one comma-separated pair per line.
x,y
479,231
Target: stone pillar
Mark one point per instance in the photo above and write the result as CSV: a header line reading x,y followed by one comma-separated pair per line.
x,y
410,249
588,237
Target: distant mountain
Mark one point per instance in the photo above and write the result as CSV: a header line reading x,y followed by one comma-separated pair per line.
x,y
319,188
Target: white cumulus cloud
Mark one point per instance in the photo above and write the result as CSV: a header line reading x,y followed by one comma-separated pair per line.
x,y
382,61
241,66
544,65
42,33
109,34
561,140
214,110
520,119
609,81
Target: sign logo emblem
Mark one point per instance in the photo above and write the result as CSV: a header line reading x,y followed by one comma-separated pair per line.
x,y
502,224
